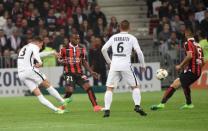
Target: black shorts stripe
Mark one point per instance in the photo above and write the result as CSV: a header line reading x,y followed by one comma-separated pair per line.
x,y
134,76
39,75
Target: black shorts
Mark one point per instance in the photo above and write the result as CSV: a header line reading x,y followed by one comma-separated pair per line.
x,y
187,79
73,79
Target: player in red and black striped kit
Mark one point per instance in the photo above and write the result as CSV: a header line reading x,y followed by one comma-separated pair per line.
x,y
73,57
192,67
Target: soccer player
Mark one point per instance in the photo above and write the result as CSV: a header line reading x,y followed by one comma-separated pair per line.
x,y
29,63
191,67
73,56
122,44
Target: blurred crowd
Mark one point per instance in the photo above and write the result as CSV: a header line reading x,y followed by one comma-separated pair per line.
x,y
168,21
54,21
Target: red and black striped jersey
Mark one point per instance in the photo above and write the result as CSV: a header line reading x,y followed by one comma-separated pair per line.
x,y
195,64
73,57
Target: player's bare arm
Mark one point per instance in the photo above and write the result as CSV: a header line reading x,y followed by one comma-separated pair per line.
x,y
86,65
185,61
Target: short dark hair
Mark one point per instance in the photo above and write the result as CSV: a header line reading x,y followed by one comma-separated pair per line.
x,y
38,38
125,25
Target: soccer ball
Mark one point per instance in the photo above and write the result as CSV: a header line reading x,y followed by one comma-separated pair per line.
x,y
161,74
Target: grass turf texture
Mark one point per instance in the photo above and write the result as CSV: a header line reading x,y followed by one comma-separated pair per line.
x,y
27,114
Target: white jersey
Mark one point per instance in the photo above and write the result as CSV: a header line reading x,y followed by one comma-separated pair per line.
x,y
122,44
27,56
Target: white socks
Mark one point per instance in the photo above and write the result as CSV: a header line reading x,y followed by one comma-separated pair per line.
x,y
47,103
108,99
55,93
136,96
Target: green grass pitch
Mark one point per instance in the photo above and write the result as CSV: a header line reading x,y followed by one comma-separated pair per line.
x,y
27,114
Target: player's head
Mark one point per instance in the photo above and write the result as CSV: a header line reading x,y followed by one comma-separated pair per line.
x,y
75,39
38,41
189,34
125,25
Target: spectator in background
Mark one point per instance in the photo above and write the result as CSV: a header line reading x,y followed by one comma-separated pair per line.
x,y
203,42
61,20
164,35
24,28
9,27
183,10
164,20
39,27
113,26
204,23
3,41
163,10
181,34
2,10
172,50
96,60
33,18
95,15
191,23
156,6
79,17
150,8
59,39
175,23
16,10
69,25
84,28
51,21
199,15
44,9
99,27
15,40
49,60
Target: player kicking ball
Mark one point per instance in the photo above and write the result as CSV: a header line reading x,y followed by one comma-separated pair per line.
x,y
122,44
191,66
28,64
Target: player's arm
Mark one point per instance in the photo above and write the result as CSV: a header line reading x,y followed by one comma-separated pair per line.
x,y
61,57
87,66
185,61
48,53
38,63
187,58
105,50
139,53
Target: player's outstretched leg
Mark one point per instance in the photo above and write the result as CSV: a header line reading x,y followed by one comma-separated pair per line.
x,y
55,93
168,94
45,102
137,100
108,100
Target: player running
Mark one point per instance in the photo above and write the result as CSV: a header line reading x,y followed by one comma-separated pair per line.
x,y
122,44
191,66
73,56
29,63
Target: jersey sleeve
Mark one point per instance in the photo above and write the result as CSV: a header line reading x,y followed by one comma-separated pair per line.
x,y
37,55
188,46
105,50
84,53
61,53
45,54
139,52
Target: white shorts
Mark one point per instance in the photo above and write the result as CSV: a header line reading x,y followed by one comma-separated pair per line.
x,y
128,76
32,78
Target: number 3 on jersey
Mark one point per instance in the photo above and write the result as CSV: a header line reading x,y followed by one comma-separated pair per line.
x,y
23,52
120,47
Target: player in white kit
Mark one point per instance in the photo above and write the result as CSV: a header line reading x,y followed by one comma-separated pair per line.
x,y
28,70
122,44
